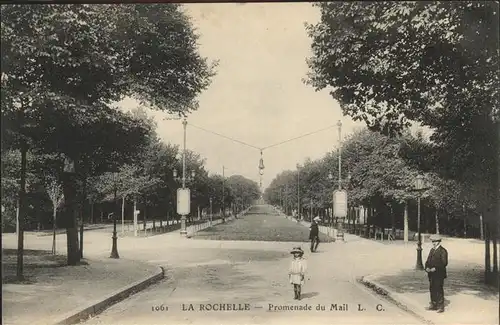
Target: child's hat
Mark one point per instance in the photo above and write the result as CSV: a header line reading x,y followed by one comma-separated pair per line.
x,y
317,219
297,250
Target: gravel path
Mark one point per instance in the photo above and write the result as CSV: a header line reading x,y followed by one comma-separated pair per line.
x,y
51,290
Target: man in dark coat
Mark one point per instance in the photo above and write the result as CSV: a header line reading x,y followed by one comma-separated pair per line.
x,y
314,234
435,266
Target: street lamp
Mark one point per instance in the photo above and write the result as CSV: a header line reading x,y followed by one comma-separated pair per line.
x,y
298,192
224,194
183,192
331,177
210,211
184,178
419,187
339,124
114,249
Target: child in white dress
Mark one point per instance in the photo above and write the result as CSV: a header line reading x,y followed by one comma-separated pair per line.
x,y
297,271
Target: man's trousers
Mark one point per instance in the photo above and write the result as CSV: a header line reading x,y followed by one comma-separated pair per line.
x,y
436,289
314,243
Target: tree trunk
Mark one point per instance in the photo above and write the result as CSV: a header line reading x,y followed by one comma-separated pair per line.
x,y
54,220
81,237
481,226
495,254
82,212
70,218
437,221
405,229
123,215
92,212
465,221
135,218
145,216
22,205
487,254
17,218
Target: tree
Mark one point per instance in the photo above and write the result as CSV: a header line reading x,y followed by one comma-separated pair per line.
x,y
390,63
71,61
436,63
55,193
243,190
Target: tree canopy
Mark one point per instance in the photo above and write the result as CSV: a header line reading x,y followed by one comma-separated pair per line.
x,y
380,178
393,63
63,66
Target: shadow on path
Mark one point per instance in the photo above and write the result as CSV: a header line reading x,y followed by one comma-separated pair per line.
x,y
33,260
462,279
309,295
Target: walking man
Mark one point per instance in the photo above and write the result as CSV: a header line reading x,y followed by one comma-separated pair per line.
x,y
435,266
314,234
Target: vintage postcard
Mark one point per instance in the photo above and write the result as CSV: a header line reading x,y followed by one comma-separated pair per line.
x,y
250,163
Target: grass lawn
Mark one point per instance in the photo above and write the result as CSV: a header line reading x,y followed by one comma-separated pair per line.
x,y
259,227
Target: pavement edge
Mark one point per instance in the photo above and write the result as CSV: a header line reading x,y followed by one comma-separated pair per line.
x,y
120,295
369,282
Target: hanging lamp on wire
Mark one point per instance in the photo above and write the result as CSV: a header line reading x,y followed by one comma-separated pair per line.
x,y
261,164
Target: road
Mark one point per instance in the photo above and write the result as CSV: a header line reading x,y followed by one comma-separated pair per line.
x,y
253,275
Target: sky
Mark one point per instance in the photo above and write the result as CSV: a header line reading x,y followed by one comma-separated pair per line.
x,y
258,96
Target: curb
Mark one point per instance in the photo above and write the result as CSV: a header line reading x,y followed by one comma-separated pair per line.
x,y
100,306
400,302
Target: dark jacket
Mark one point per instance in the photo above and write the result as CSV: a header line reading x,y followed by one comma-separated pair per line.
x,y
437,258
314,232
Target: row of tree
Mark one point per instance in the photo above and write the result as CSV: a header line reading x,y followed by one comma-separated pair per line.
x,y
435,63
63,68
148,183
378,176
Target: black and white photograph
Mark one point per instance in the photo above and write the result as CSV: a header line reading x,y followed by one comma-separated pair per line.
x,y
250,163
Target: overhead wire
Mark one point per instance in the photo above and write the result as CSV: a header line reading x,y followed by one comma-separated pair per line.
x,y
302,136
262,148
224,136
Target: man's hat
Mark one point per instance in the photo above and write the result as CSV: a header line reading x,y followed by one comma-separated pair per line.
x,y
297,250
317,219
435,238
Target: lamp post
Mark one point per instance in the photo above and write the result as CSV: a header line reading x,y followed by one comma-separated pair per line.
x,y
419,187
184,209
223,195
184,179
311,210
298,192
330,176
114,249
348,187
339,124
210,211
